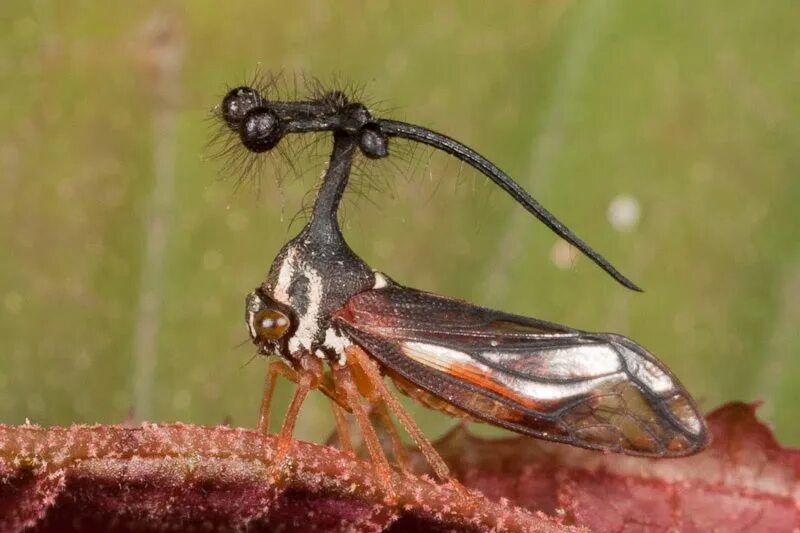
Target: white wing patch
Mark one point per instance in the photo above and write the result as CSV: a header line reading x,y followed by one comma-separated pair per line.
x,y
442,358
590,361
646,372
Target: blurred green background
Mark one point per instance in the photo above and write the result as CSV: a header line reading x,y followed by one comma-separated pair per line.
x,y
664,133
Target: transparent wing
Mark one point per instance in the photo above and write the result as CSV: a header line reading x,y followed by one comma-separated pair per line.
x,y
594,390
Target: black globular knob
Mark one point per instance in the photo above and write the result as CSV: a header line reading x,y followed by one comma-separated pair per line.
x,y
237,103
260,130
357,116
373,142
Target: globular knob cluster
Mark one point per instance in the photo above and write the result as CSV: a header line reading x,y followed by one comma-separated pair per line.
x,y
373,142
260,127
246,112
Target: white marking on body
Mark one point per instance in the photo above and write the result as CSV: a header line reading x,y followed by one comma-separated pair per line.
x,y
254,303
281,291
337,343
442,358
307,322
380,281
294,345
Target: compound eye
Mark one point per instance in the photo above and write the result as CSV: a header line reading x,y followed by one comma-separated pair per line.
x,y
237,103
373,143
260,130
271,325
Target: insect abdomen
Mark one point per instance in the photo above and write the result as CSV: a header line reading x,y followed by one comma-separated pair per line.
x,y
428,400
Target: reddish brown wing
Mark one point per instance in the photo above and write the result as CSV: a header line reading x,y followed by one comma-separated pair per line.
x,y
593,390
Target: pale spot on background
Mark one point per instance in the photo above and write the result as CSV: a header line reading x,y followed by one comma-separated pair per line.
x,y
563,255
624,212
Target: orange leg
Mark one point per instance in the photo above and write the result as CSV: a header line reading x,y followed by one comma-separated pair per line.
x,y
345,382
304,386
273,369
307,376
379,417
376,380
398,449
379,413
342,429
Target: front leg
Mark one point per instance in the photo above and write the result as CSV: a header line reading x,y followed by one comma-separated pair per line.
x,y
274,368
309,373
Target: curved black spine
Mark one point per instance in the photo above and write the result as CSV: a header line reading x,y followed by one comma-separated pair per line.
x,y
394,128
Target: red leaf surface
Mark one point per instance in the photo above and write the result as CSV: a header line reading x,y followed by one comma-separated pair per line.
x,y
745,481
178,477
184,478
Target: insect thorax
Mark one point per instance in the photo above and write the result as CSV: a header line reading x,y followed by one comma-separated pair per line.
x,y
314,275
